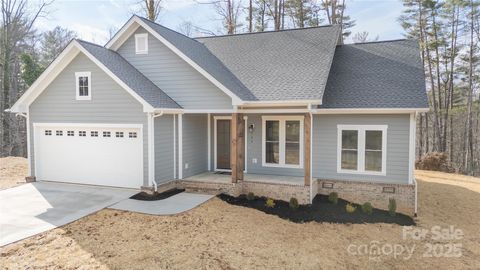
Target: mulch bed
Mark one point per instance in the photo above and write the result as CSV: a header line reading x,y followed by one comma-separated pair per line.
x,y
143,196
321,210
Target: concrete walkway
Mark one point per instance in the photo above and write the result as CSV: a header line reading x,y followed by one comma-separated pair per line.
x,y
173,205
33,208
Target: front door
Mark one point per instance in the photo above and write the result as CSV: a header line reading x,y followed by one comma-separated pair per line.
x,y
223,144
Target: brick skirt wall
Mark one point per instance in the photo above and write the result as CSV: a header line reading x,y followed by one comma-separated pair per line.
x,y
377,194
271,190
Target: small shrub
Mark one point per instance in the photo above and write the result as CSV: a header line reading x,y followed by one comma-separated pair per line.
x,y
250,196
270,203
392,206
333,197
367,208
436,161
293,203
350,208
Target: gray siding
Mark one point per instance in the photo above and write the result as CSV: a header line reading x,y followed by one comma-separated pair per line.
x,y
110,104
324,162
174,76
195,146
164,148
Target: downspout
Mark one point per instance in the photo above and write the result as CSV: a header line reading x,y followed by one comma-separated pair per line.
x,y
311,152
416,196
152,133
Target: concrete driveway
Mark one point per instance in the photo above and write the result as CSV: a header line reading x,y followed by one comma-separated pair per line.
x,y
34,208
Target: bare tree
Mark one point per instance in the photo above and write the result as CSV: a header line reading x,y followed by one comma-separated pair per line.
x,y
186,28
361,37
335,13
18,18
151,8
229,11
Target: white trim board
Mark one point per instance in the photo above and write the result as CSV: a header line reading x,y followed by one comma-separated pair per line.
x,y
215,118
369,111
282,140
361,129
118,40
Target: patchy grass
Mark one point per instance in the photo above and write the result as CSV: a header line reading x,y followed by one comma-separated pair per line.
x,y
218,235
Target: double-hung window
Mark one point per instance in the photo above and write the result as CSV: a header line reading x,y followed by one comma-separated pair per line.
x,y
83,85
362,149
282,141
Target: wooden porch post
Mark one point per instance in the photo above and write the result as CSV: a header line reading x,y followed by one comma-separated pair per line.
x,y
306,159
237,147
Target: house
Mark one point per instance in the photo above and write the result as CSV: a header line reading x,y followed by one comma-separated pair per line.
x,y
281,114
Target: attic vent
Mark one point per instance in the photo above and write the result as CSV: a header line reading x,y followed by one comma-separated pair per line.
x,y
141,43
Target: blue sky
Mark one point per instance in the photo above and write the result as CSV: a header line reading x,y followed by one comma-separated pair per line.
x,y
94,19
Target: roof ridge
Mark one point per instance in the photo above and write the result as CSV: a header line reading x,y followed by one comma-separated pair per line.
x,y
267,32
167,28
91,43
381,41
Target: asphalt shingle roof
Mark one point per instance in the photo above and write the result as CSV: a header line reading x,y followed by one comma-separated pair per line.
x,y
199,54
279,65
130,76
385,74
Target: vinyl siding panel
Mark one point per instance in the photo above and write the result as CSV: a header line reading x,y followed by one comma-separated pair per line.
x,y
110,104
174,76
325,143
164,157
195,146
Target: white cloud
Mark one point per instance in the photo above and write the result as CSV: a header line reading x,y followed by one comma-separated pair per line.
x,y
91,33
174,5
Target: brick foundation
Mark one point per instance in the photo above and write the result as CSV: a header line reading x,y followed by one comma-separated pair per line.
x,y
377,194
282,192
276,191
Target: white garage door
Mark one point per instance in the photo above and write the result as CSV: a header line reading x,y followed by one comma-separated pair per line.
x,y
106,155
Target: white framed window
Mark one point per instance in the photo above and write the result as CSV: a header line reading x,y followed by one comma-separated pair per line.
x,y
93,133
132,134
70,133
282,141
83,84
58,132
362,149
82,133
48,132
119,134
106,134
141,43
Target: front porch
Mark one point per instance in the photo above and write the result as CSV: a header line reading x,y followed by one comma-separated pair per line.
x,y
225,177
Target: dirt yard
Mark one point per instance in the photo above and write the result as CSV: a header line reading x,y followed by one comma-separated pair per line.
x,y
12,171
217,235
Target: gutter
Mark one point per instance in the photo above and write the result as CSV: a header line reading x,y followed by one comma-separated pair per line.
x,y
153,182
